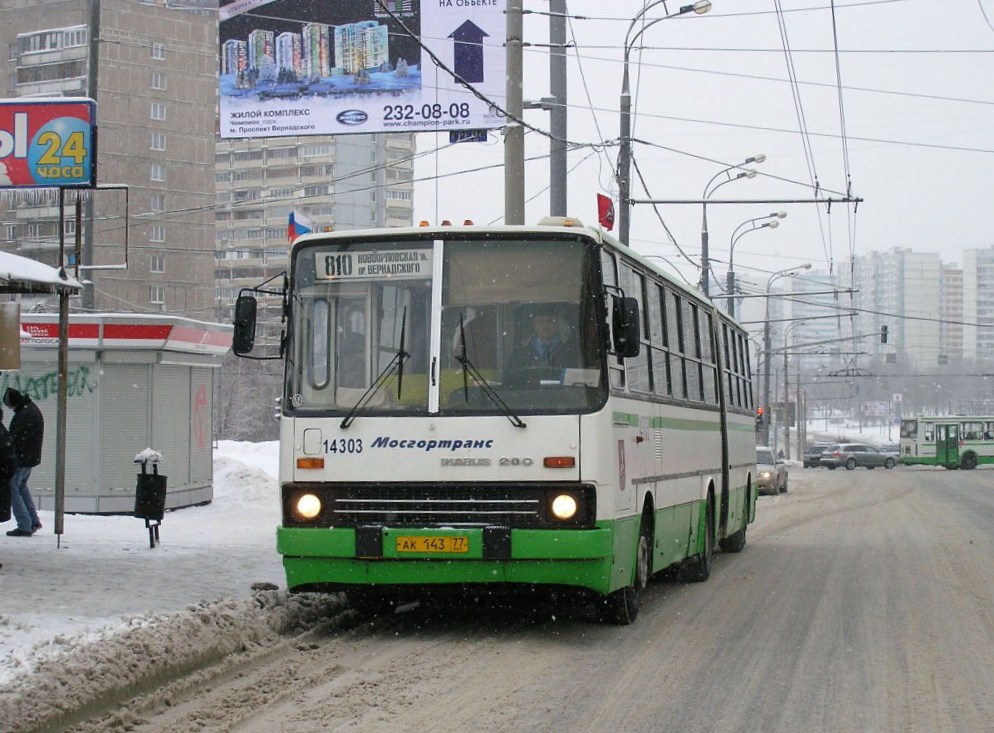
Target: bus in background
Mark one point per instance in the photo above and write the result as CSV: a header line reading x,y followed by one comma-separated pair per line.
x,y
503,408
954,441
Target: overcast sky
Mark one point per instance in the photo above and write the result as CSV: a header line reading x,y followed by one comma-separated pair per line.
x,y
910,132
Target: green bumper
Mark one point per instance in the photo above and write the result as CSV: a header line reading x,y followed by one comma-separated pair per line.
x,y
576,558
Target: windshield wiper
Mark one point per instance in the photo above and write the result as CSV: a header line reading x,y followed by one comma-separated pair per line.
x,y
468,368
396,365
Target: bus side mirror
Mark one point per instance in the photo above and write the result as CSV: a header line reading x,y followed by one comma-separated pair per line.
x,y
243,338
626,327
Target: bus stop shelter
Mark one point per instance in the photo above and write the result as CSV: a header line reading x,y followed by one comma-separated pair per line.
x,y
20,276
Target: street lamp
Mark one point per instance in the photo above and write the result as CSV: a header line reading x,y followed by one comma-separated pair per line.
x,y
767,347
625,151
708,190
736,235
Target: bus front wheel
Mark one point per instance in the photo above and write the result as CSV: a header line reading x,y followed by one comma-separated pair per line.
x,y
369,602
968,462
622,606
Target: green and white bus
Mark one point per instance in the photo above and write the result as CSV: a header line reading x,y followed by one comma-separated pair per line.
x,y
420,451
954,441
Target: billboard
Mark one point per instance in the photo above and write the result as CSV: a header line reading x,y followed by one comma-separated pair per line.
x,y
359,66
47,143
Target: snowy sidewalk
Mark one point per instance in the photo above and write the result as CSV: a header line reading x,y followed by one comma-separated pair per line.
x,y
105,574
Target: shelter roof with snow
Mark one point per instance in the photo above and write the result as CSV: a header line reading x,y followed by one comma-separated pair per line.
x,y
23,275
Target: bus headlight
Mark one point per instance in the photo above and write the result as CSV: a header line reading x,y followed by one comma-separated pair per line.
x,y
307,506
564,506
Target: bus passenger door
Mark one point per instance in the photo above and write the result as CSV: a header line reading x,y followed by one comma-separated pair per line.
x,y
947,445
351,345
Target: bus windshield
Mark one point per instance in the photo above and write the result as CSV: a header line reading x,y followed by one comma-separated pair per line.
x,y
460,326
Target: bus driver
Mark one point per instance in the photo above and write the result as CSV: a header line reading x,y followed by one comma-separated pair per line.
x,y
545,347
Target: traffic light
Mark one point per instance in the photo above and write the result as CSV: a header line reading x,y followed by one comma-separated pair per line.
x,y
883,334
759,418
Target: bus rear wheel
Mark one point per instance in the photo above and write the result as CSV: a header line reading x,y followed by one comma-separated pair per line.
x,y
697,569
736,542
622,606
968,462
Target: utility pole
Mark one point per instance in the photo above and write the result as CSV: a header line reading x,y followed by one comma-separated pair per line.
x,y
766,379
514,133
786,402
86,254
557,112
555,105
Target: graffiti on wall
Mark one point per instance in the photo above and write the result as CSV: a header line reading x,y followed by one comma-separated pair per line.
x,y
42,386
201,416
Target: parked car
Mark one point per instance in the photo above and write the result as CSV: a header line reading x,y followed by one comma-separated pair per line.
x,y
851,455
812,456
891,449
771,472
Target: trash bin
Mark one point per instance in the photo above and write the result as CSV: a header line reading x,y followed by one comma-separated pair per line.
x,y
150,494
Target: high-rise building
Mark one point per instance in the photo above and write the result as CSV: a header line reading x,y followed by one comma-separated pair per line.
x,y
951,315
978,303
207,216
337,182
820,316
900,289
151,68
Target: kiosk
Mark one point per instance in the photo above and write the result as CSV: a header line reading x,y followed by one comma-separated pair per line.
x,y
134,381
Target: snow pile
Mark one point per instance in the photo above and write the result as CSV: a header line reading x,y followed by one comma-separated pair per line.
x,y
71,599
87,673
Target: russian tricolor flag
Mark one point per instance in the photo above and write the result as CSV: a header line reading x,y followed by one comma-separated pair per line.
x,y
299,224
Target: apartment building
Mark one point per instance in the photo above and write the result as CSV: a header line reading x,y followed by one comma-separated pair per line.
x,y
151,68
820,310
206,216
900,289
951,314
978,303
337,182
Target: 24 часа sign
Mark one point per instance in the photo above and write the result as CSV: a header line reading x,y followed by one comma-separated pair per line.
x,y
47,143
360,66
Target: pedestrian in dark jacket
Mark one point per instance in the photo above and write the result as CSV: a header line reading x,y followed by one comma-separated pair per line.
x,y
27,428
8,464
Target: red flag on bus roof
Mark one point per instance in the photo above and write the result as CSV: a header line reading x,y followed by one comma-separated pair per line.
x,y
605,211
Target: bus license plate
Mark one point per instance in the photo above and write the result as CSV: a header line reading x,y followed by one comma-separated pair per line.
x,y
432,544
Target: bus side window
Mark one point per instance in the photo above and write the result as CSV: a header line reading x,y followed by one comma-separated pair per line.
x,y
745,371
674,332
928,430
639,378
609,271
660,359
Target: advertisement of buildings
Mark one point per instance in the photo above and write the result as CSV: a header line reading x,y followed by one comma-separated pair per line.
x,y
47,143
360,66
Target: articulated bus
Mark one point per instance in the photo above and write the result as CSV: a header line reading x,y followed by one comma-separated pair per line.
x,y
503,409
954,441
